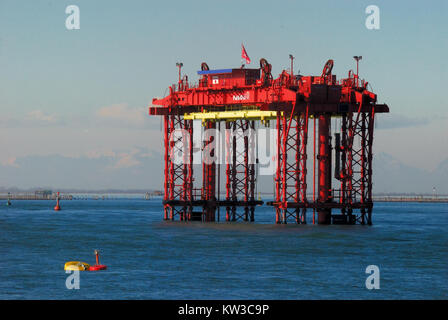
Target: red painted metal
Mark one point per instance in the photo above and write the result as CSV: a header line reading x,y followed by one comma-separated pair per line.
x,y
228,170
57,207
240,186
178,176
324,160
97,267
296,98
209,172
291,168
314,168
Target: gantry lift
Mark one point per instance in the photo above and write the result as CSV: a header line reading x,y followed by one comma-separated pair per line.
x,y
240,98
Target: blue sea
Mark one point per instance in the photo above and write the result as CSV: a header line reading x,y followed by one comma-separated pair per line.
x,y
148,258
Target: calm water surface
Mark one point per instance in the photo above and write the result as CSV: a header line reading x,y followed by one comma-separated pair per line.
x,y
148,258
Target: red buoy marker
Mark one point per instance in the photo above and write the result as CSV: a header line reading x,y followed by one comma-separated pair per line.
x,y
57,207
97,266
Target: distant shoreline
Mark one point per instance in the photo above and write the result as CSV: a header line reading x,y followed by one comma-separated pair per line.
x,y
148,196
409,199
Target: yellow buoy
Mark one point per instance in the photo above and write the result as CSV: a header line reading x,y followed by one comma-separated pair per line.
x,y
76,265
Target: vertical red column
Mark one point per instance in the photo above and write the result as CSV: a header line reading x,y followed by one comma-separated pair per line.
x,y
284,167
245,127
370,127
187,195
166,175
314,167
252,178
278,183
171,176
234,184
324,160
228,170
209,175
343,174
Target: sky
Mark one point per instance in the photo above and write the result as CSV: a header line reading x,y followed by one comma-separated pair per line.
x,y
82,95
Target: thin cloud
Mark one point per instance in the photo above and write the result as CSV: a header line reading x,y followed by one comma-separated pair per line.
x,y
394,121
128,159
10,162
39,115
39,118
35,118
122,114
99,154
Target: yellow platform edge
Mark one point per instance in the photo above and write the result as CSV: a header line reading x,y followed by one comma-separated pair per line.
x,y
232,115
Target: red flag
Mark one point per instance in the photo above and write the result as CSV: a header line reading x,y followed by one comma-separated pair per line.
x,y
244,54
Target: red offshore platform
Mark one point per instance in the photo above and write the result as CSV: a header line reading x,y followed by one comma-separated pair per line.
x,y
241,98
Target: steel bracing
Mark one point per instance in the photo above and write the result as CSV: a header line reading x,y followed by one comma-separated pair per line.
x,y
240,172
238,99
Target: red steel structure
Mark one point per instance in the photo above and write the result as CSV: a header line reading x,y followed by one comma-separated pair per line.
x,y
292,101
240,173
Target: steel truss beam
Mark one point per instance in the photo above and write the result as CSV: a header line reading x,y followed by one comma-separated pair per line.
x,y
291,172
240,169
356,159
178,176
209,174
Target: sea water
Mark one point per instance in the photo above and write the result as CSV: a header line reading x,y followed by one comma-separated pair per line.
x,y
148,258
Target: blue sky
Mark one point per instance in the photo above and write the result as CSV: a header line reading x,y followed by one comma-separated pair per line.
x,y
83,94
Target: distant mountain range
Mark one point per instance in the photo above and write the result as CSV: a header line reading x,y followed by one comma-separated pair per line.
x,y
144,173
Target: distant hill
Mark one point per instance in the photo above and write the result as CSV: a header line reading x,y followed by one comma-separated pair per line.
x,y
145,173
